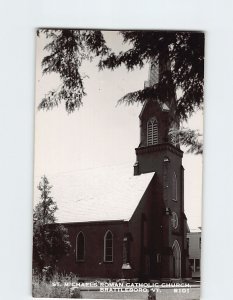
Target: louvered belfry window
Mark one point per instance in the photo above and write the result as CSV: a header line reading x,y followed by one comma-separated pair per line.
x,y
152,132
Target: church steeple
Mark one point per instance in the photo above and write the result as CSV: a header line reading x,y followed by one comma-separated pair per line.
x,y
156,119
153,76
157,67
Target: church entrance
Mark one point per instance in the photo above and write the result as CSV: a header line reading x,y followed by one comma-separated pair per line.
x,y
176,259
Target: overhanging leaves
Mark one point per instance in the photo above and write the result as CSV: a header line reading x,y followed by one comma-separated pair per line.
x,y
189,138
67,49
185,51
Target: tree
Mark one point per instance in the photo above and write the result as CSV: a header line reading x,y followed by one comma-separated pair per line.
x,y
50,240
68,48
192,139
185,75
184,50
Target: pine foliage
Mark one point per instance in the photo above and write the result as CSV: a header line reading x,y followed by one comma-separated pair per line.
x,y
67,50
184,50
189,138
50,240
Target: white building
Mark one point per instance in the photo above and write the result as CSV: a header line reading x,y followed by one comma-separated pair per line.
x,y
194,239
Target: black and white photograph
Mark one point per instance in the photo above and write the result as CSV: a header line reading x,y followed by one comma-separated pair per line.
x,y
117,208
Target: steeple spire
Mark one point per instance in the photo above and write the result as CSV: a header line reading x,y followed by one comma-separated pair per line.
x,y
158,65
153,73
156,119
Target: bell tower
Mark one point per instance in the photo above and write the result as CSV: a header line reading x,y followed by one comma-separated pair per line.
x,y
156,119
158,153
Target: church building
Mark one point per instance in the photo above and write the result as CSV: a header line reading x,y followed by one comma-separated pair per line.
x,y
131,226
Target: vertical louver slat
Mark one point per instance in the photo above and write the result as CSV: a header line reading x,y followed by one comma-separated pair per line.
x,y
155,133
152,132
149,133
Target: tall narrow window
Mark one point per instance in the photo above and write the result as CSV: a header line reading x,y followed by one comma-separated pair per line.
x,y
174,187
80,247
191,262
197,264
174,220
152,132
108,247
176,259
126,252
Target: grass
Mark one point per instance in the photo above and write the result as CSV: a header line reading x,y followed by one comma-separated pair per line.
x,y
55,287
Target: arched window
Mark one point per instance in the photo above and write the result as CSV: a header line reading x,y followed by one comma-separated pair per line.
x,y
80,247
176,259
108,246
174,187
174,220
152,132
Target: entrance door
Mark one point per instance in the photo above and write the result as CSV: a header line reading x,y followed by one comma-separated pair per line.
x,y
176,259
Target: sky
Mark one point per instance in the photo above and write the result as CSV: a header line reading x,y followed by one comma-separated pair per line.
x,y
101,133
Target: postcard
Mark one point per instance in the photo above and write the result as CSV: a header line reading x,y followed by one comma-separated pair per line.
x,y
118,164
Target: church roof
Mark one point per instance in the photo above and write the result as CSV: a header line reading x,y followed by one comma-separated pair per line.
x,y
97,194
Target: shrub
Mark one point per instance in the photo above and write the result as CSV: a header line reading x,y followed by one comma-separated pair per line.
x,y
55,287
